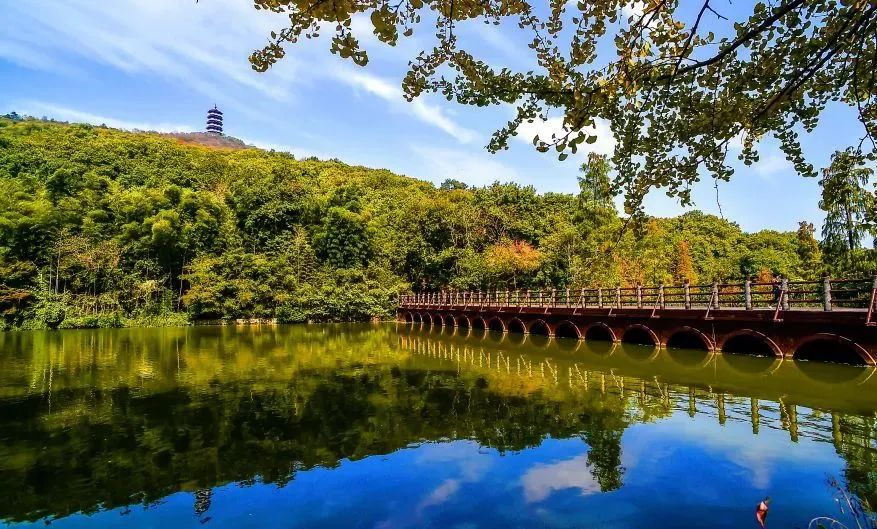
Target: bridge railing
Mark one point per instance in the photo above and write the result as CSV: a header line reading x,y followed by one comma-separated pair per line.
x,y
826,294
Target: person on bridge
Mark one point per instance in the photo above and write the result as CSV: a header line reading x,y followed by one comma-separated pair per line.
x,y
777,290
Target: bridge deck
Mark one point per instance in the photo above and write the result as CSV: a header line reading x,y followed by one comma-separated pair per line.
x,y
835,322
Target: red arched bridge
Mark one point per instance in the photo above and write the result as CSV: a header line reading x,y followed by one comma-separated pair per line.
x,y
831,319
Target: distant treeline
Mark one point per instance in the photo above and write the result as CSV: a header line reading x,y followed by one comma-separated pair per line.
x,y
100,227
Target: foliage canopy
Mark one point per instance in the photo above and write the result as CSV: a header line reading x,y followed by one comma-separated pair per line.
x,y
677,84
101,228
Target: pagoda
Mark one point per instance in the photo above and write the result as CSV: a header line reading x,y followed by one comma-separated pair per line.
x,y
214,120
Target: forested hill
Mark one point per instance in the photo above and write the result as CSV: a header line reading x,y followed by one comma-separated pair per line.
x,y
103,227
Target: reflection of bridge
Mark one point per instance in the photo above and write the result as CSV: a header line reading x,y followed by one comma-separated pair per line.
x,y
828,320
782,397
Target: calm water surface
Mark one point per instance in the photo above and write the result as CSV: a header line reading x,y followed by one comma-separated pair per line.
x,y
384,427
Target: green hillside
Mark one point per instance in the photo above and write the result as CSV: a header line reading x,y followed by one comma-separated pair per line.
x,y
104,227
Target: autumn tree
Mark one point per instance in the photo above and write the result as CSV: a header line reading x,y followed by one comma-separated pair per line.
x,y
509,260
683,267
676,84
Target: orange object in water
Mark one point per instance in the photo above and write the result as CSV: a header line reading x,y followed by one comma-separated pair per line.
x,y
761,512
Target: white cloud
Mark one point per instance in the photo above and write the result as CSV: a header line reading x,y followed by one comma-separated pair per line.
x,y
25,55
298,152
771,162
60,113
634,10
438,164
542,480
605,143
392,93
736,143
771,165
203,46
494,37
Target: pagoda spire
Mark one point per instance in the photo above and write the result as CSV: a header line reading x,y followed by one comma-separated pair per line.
x,y
214,120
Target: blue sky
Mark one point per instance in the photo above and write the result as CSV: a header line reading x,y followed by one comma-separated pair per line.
x,y
160,64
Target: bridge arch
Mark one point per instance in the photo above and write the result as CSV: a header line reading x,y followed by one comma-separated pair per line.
x,y
417,318
437,320
463,322
567,329
496,324
748,341
827,347
407,317
540,327
479,323
517,326
449,321
600,332
689,338
639,334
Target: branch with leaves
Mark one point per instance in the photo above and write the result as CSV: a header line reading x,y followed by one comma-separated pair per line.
x,y
673,93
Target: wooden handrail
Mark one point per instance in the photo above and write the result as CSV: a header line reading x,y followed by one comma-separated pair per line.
x,y
826,294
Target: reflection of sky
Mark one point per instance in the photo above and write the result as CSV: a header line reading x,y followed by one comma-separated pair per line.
x,y
678,472
542,480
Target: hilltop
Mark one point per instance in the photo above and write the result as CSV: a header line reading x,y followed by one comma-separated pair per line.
x,y
205,139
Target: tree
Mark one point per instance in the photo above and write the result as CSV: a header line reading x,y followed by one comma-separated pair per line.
x,y
344,239
770,250
509,260
683,269
452,183
846,201
808,251
594,184
677,87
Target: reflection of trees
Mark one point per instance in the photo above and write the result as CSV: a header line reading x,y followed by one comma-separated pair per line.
x,y
603,435
854,441
92,420
146,447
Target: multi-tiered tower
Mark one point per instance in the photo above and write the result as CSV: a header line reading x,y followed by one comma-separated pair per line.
x,y
214,120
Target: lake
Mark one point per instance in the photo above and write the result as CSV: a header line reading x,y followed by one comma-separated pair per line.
x,y
390,426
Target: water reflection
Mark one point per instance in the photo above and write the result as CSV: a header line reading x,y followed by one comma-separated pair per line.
x,y
755,364
472,427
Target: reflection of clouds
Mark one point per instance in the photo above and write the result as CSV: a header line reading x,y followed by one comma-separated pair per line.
x,y
471,466
760,454
542,480
441,494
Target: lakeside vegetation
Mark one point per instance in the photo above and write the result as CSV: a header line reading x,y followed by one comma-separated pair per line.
x,y
101,228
